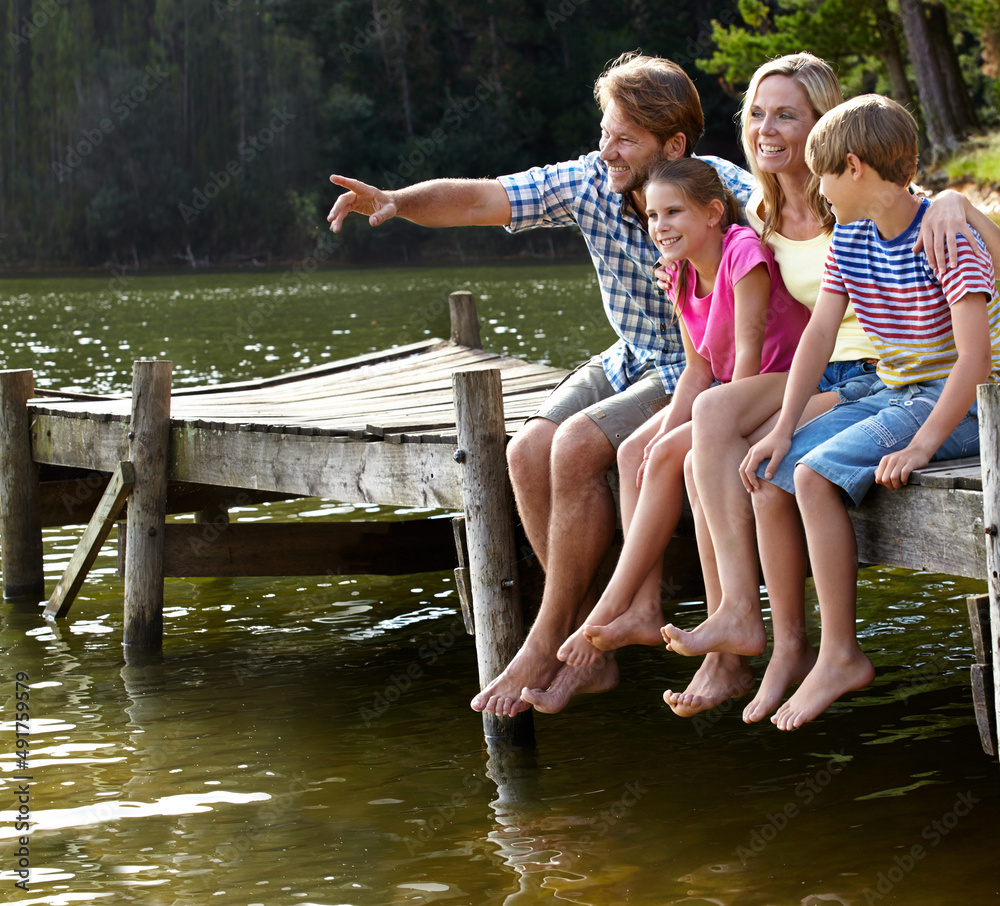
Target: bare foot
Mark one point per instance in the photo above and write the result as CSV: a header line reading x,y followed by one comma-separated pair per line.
x,y
719,678
601,676
577,651
639,625
528,668
731,629
786,668
832,677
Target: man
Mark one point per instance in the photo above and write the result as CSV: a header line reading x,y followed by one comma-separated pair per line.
x,y
558,461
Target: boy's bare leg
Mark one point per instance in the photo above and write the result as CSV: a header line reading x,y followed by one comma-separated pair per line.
x,y
630,611
581,523
783,557
841,666
721,676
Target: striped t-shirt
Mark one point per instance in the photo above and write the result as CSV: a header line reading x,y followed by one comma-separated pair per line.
x,y
903,303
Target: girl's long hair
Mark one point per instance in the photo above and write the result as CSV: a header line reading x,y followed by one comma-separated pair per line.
x,y
700,185
823,91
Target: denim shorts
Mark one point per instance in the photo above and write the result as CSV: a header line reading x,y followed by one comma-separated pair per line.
x,y
849,380
846,444
587,389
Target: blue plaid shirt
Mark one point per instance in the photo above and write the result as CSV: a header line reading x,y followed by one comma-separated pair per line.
x,y
579,193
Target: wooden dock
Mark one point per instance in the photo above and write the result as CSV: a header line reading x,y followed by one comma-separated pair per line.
x,y
423,425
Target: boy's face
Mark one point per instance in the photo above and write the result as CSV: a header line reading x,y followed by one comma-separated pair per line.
x,y
843,193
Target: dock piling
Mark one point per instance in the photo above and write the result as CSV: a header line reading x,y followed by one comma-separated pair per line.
x,y
20,512
489,526
989,450
464,320
149,439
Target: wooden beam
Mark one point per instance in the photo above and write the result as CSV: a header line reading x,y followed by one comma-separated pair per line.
x,y
308,549
923,528
94,536
149,438
20,515
489,529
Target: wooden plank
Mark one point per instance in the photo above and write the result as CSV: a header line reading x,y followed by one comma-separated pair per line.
x,y
462,573
353,472
953,473
892,528
979,621
983,695
94,536
308,549
988,401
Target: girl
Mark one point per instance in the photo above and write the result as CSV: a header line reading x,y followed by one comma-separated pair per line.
x,y
737,319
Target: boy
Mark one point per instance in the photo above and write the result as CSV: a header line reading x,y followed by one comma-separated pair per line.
x,y
938,336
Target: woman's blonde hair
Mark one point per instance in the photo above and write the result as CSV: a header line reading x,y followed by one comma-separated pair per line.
x,y
699,183
822,89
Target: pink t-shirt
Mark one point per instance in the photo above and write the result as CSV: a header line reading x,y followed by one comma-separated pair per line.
x,y
711,320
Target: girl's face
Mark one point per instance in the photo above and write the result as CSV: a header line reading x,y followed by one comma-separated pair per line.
x,y
780,121
679,228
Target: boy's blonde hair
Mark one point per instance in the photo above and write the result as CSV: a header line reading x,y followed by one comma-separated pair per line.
x,y
655,94
882,133
822,89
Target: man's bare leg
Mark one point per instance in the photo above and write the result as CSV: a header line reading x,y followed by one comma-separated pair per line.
x,y
841,666
721,676
784,560
581,528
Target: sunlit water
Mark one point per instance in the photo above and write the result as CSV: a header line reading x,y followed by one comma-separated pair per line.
x,y
308,741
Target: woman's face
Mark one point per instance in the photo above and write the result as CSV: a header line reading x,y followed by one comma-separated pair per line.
x,y
779,123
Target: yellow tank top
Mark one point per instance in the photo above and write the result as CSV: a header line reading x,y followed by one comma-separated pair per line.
x,y
801,263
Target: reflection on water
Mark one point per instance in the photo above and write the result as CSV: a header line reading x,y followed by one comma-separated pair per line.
x,y
309,741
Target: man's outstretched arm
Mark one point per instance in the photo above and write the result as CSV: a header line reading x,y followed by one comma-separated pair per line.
x,y
435,203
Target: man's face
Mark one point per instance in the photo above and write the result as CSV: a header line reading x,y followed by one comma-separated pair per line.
x,y
628,150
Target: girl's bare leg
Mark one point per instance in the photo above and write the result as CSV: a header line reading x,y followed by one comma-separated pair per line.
x,y
783,558
721,676
629,610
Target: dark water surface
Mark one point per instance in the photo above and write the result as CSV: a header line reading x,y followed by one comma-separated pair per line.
x,y
308,741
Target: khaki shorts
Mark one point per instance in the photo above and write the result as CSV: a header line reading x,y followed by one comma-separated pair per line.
x,y
587,390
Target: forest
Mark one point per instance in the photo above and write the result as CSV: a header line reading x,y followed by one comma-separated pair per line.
x,y
143,133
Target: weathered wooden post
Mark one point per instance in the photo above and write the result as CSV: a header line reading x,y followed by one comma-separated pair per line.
x,y
20,515
489,525
464,320
989,452
149,439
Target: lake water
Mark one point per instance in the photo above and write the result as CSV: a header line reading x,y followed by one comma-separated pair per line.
x,y
309,741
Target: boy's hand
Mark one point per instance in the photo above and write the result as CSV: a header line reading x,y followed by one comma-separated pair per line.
x,y
773,446
895,468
